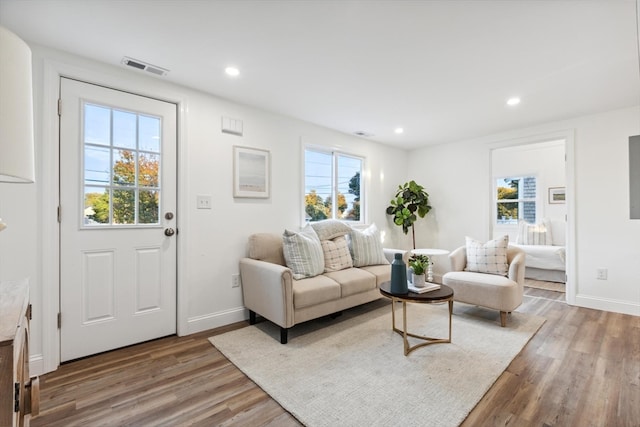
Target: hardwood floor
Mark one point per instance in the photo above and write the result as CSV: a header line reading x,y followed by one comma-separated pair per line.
x,y
582,368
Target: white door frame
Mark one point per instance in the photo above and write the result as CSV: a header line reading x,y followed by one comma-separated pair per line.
x,y
568,135
49,154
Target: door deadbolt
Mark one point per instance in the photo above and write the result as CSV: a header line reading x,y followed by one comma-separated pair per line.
x,y
168,215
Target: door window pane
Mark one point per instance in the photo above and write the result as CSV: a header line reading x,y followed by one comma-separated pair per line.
x,y
124,129
124,206
148,207
121,168
148,170
97,125
96,206
97,165
149,133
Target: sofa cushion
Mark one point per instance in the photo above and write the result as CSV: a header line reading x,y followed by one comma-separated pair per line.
x,y
498,293
336,254
330,229
382,272
303,253
315,290
490,257
266,247
353,281
366,247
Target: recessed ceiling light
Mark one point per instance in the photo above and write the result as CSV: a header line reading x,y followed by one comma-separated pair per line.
x,y
399,130
513,101
232,71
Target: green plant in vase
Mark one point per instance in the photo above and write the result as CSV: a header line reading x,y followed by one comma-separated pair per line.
x,y
419,265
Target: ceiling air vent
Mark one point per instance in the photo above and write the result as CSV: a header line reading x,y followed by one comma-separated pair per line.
x,y
140,65
363,134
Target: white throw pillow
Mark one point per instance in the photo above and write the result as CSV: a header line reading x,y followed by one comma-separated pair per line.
x,y
490,257
303,253
534,234
336,254
366,247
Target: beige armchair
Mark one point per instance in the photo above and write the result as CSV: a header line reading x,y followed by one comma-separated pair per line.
x,y
488,290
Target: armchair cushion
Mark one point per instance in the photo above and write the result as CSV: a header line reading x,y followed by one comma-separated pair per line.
x,y
490,257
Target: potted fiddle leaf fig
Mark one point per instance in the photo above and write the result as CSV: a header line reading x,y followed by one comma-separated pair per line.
x,y
410,202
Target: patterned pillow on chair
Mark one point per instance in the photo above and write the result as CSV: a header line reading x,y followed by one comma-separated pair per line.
x,y
490,257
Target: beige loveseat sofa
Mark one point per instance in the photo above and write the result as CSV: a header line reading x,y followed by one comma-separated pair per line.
x,y
271,291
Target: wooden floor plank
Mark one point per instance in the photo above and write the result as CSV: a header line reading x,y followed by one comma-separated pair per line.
x,y
581,368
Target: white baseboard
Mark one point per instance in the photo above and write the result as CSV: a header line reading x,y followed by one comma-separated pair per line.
x,y
36,365
215,320
605,304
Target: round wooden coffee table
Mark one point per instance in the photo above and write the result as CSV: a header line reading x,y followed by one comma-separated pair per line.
x,y
439,296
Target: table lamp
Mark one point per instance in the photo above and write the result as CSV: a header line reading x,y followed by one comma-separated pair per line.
x,y
16,111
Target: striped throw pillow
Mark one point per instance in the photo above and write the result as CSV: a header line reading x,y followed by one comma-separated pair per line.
x,y
303,253
366,247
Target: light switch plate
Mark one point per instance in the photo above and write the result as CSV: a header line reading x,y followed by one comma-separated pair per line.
x,y
203,202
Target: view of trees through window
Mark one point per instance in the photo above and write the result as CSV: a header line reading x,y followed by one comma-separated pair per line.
x,y
121,167
332,176
516,200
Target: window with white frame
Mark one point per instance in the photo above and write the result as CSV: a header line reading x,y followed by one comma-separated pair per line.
x,y
330,175
516,200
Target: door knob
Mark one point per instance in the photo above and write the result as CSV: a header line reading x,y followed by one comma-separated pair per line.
x,y
169,232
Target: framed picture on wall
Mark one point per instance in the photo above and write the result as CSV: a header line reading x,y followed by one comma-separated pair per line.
x,y
251,172
556,195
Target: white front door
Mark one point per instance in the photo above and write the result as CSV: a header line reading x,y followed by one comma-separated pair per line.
x,y
117,219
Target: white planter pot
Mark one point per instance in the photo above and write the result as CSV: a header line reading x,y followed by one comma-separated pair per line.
x,y
418,280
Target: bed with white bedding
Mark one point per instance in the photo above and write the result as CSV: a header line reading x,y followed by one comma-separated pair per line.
x,y
544,246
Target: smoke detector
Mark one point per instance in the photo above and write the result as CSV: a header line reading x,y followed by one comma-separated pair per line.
x,y
144,66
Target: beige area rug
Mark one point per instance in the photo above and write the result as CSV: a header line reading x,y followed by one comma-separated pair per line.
x,y
351,371
541,284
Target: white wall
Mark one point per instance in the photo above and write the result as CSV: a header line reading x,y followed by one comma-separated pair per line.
x,y
211,242
459,176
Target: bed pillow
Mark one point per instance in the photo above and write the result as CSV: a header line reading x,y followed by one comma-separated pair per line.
x,y
490,257
366,247
303,253
534,234
336,254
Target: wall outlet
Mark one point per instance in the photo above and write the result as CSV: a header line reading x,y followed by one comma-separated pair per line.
x,y
235,280
601,274
203,202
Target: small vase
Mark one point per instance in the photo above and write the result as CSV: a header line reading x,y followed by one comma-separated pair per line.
x,y
418,280
399,275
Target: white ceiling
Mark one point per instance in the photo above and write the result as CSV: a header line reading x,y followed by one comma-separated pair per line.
x,y
442,70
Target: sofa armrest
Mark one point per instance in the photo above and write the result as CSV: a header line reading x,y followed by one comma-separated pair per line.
x,y
390,253
267,289
458,259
